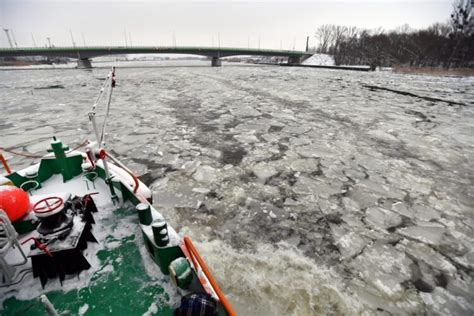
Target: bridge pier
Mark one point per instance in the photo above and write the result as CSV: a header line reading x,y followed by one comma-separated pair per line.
x,y
84,63
294,60
216,62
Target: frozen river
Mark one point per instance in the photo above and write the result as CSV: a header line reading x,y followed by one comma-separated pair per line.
x,y
310,191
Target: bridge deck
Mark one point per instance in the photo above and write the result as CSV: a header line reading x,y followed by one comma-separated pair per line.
x,y
94,51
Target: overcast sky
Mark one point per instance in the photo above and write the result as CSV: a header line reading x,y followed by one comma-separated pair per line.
x,y
197,23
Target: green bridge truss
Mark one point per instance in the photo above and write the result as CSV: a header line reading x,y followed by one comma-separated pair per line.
x,y
95,51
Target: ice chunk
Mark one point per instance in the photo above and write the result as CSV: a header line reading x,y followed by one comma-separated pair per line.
x,y
441,302
425,254
311,151
263,171
462,285
416,185
402,209
265,192
363,196
348,242
431,235
171,160
177,196
238,195
425,213
383,136
211,152
245,111
380,188
270,138
44,130
350,205
466,260
305,165
189,167
39,146
423,277
369,296
201,190
205,174
246,138
382,218
299,129
300,140
323,188
385,268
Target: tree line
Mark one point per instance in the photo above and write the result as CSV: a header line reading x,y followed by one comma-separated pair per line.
x,y
449,45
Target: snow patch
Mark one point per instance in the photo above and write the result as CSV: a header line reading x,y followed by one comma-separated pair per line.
x,y
320,60
83,309
152,310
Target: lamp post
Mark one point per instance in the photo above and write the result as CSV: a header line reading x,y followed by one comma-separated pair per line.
x,y
8,37
33,38
72,38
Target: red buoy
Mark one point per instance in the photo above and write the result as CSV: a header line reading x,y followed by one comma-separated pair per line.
x,y
14,201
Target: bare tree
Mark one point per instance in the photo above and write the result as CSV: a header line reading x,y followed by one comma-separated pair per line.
x,y
441,29
440,45
324,36
461,16
462,34
403,29
340,33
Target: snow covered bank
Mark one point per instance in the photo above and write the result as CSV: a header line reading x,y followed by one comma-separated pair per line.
x,y
320,60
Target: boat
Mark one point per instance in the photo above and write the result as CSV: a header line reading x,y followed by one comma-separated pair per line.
x,y
79,235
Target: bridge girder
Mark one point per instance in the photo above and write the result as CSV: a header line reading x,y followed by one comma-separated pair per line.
x,y
91,52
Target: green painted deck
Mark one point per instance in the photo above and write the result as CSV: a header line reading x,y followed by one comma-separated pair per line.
x,y
124,290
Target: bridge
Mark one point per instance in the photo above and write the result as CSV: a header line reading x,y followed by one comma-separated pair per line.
x,y
84,54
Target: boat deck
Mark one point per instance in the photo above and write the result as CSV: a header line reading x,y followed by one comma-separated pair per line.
x,y
123,279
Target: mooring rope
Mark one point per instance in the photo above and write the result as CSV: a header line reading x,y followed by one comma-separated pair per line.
x,y
29,155
23,154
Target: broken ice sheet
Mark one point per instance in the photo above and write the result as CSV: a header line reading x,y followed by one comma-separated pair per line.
x,y
381,218
350,243
424,253
205,174
263,171
340,152
384,267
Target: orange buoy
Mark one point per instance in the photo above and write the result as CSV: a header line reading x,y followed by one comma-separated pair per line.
x,y
14,201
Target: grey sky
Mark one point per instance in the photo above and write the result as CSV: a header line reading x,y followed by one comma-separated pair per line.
x,y
238,23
